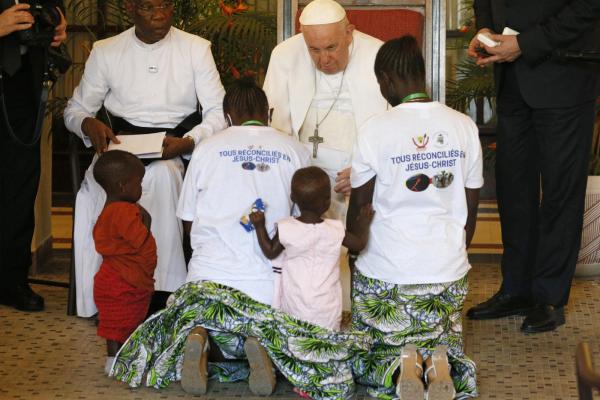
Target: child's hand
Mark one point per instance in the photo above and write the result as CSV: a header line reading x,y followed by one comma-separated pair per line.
x,y
257,218
146,218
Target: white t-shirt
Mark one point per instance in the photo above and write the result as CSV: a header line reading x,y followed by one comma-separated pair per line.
x,y
424,156
228,173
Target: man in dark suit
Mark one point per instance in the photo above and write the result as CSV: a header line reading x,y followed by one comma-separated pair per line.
x,y
22,71
545,121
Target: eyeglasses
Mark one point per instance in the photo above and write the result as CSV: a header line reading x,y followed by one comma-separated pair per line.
x,y
420,182
150,9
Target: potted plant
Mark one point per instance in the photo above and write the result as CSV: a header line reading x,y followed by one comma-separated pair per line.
x,y
471,90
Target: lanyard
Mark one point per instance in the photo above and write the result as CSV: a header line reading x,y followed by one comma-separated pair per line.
x,y
252,122
415,96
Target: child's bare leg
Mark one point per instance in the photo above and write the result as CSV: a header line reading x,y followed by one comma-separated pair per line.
x,y
112,348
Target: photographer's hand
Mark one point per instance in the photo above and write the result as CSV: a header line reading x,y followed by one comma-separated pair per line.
x,y
15,18
98,134
60,33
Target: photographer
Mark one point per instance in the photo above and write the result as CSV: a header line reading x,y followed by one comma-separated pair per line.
x,y
22,67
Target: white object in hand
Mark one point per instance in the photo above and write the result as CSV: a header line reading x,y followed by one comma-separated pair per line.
x,y
509,32
148,145
485,39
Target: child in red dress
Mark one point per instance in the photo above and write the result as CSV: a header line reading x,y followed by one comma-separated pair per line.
x,y
124,284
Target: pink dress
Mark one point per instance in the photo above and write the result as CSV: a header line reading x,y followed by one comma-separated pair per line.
x,y
309,286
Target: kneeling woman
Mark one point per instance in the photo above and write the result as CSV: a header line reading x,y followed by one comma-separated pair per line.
x,y
246,167
420,166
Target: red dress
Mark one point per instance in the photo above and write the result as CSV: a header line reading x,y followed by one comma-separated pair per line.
x,y
124,284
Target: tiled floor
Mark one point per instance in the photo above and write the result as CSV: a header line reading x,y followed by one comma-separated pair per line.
x,y
49,355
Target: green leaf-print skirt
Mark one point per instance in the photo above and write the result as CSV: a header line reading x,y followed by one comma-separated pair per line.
x,y
394,315
314,359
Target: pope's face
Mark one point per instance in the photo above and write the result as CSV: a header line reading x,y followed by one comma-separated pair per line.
x,y
329,45
152,19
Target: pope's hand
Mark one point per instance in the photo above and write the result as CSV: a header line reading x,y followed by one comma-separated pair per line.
x,y
174,146
60,32
98,133
15,18
342,182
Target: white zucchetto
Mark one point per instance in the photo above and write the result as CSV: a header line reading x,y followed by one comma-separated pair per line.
x,y
320,12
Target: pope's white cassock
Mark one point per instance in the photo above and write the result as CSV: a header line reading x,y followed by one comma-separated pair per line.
x,y
149,85
302,97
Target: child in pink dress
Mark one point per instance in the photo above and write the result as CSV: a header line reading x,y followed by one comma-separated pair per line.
x,y
309,286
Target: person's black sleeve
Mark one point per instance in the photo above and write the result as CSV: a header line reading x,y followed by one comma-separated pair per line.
x,y
559,31
483,14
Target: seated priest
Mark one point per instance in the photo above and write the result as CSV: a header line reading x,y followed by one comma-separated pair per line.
x,y
150,78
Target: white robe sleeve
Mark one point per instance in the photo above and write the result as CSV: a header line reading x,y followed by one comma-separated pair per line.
x,y
88,96
210,93
277,90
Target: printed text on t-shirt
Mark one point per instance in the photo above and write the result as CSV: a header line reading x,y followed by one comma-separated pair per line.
x,y
426,160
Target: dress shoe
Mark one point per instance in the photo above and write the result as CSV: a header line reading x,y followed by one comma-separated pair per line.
x,y
543,318
500,305
22,298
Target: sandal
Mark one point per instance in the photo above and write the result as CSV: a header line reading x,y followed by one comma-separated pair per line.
x,y
409,385
262,378
437,375
194,373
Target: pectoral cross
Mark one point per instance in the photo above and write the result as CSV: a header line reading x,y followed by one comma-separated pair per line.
x,y
315,140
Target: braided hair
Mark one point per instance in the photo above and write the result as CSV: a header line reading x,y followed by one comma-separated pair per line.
x,y
401,58
245,98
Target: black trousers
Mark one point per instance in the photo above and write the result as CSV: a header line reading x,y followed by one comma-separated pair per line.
x,y
541,173
19,178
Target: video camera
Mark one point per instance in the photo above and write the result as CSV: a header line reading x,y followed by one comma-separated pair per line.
x,y
55,60
41,33
46,18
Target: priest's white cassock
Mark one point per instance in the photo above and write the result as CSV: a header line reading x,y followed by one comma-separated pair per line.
x,y
149,85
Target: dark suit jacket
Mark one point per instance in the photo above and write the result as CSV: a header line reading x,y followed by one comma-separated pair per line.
x,y
546,25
